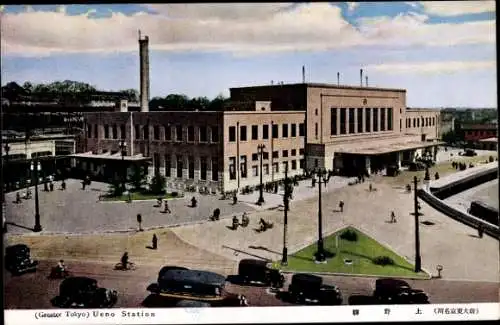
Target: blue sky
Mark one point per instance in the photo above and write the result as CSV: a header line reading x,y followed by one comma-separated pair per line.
x,y
444,54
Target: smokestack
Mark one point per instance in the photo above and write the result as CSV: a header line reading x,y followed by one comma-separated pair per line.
x,y
144,72
303,74
366,83
338,78
272,82
361,77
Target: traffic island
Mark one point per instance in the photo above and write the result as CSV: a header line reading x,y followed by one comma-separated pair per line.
x,y
352,253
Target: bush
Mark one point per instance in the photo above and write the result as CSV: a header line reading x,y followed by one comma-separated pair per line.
x,y
383,260
175,194
349,235
491,159
157,185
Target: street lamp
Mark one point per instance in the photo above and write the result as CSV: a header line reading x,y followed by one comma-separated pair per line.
x,y
260,150
418,260
123,148
36,167
7,149
323,177
286,202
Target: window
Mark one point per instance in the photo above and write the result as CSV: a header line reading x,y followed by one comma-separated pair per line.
x,y
215,168
191,133
203,168
265,131
316,112
156,132
284,131
265,155
285,153
255,132
301,151
302,130
146,132
89,130
167,165
294,152
316,130
360,120
375,120
389,120
106,131
352,120
275,131
203,135
232,168
414,122
137,131
156,161
178,133
123,134
343,129
275,154
179,166
191,167
433,121
232,133
316,162
255,156
418,122
294,164
285,165
302,163
382,119
243,166
276,167
333,121
243,133
168,133
96,131
400,124
294,130
255,171
368,119
215,139
265,169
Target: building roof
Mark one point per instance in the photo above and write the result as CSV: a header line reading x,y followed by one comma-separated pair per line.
x,y
377,147
495,140
478,126
418,109
323,85
109,156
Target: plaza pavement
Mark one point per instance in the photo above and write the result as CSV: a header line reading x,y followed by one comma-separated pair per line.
x,y
446,242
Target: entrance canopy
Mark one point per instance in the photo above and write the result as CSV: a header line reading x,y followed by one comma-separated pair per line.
x,y
109,156
378,147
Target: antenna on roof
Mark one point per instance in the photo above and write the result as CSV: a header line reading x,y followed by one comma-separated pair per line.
x,y
338,78
361,77
303,74
366,78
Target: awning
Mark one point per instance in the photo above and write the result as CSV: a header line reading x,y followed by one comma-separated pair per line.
x,y
109,156
377,147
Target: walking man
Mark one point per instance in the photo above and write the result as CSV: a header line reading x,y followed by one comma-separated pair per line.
x,y
154,242
480,231
370,187
341,206
166,209
139,221
393,217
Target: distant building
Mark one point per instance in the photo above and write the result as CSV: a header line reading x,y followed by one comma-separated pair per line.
x,y
475,132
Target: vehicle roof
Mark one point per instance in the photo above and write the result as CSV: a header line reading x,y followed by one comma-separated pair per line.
x,y
392,282
78,281
17,247
171,267
194,276
251,261
192,303
303,277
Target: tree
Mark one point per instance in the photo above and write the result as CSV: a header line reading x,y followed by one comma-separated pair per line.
x,y
157,185
199,103
218,103
132,94
138,178
115,188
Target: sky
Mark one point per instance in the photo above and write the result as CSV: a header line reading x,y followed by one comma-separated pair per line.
x,y
443,53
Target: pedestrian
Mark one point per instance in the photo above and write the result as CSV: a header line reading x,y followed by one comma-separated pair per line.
x,y
63,185
393,217
166,209
370,187
139,221
235,199
46,187
154,242
51,186
341,206
84,183
18,198
480,231
313,181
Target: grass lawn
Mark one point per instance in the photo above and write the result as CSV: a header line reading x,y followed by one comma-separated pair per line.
x,y
140,196
361,252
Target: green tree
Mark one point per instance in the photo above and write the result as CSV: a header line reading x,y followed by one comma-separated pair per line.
x,y
138,177
157,185
115,188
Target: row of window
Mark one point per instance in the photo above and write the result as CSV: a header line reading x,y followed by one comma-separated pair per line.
x,y
284,154
204,163
420,122
255,168
481,133
287,130
356,118
92,131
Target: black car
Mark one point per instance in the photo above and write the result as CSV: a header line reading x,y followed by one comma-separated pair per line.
x,y
260,271
395,291
470,153
198,285
83,292
310,288
18,259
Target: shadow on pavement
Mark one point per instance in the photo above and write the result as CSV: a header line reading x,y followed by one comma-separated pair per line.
x,y
361,300
157,301
237,251
20,226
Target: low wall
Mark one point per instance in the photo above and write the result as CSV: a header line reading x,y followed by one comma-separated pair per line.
x,y
465,183
465,218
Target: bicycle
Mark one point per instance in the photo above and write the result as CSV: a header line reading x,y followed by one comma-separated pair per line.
x,y
130,266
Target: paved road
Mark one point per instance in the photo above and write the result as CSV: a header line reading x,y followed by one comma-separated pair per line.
x,y
34,290
487,193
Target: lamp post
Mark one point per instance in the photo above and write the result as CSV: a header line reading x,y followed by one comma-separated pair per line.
x,y
123,148
286,200
323,177
7,149
260,150
418,260
36,167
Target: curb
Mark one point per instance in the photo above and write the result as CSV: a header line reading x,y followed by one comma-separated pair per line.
x,y
361,275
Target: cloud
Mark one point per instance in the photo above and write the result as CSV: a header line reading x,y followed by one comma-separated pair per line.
x,y
242,29
457,8
432,67
351,6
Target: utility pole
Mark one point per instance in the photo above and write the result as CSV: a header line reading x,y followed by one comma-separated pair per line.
x,y
418,260
260,149
286,202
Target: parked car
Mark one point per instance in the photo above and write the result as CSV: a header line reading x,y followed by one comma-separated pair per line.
x,y
395,291
18,259
260,271
83,292
416,166
165,269
204,286
470,153
393,170
307,287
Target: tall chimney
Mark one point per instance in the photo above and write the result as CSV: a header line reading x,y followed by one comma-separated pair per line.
x,y
366,78
303,74
338,78
361,77
144,72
